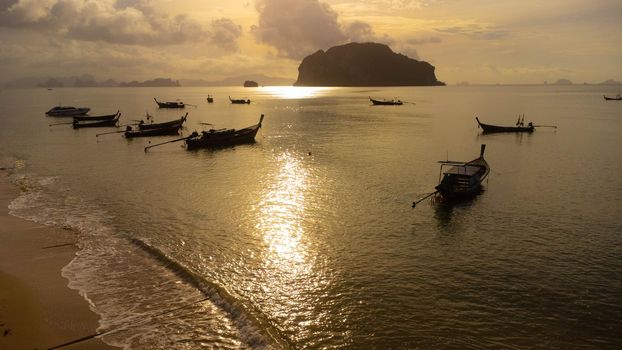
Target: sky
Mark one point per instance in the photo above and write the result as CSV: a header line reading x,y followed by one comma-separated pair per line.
x,y
477,41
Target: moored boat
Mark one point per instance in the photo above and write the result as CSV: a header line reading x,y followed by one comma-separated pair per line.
x,y
489,128
66,111
239,101
170,104
210,99
463,179
81,118
165,131
394,102
616,98
225,137
96,123
173,123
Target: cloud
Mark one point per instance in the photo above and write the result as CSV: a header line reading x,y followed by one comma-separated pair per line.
x,y
477,32
297,28
421,41
359,31
127,22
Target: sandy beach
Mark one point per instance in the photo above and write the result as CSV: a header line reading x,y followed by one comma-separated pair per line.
x,y
37,309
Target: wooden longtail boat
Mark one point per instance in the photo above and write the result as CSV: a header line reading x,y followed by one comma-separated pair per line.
x,y
97,123
170,104
66,111
84,118
463,179
166,131
617,98
210,99
225,137
239,101
173,123
489,128
393,102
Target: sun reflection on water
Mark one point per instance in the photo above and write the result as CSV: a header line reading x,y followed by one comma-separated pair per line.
x,y
295,92
281,215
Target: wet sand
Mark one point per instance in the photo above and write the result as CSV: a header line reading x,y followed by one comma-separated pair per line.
x,y
37,308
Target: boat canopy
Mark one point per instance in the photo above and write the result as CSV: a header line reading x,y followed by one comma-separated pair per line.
x,y
467,170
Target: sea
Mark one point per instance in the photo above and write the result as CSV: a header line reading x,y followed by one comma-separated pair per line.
x,y
307,238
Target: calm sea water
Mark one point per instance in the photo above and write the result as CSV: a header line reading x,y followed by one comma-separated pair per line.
x,y
306,239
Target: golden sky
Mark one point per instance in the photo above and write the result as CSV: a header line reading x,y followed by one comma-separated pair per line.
x,y
479,41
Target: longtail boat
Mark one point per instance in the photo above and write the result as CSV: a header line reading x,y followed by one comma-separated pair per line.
x,y
96,123
224,137
84,118
210,99
165,131
66,111
462,179
170,104
239,101
489,128
617,98
173,123
393,102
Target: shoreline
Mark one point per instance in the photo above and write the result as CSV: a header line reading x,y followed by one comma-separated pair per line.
x,y
38,310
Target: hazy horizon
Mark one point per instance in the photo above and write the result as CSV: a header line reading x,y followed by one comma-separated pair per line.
x,y
480,42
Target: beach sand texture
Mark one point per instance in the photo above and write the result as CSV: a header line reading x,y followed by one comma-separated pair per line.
x,y
37,309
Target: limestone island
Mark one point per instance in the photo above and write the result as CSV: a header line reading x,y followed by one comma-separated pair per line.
x,y
364,64
250,83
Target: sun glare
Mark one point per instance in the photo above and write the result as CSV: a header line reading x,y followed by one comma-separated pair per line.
x,y
295,92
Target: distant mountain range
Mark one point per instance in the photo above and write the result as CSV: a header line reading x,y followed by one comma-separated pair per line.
x,y
87,80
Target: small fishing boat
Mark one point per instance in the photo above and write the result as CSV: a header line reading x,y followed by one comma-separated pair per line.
x,y
66,111
223,137
164,131
239,101
394,102
210,99
217,138
96,123
616,98
170,104
462,179
83,118
489,128
173,123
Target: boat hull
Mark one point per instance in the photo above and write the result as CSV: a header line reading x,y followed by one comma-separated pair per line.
x,y
385,103
489,129
67,112
612,98
96,117
95,124
152,132
217,139
464,180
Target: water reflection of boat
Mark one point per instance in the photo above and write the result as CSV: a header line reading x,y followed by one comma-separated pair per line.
x,y
463,179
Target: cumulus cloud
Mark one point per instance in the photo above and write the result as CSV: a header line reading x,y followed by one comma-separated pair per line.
x,y
297,27
363,32
129,22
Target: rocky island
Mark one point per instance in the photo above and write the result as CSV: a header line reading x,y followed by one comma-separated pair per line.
x,y
364,64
